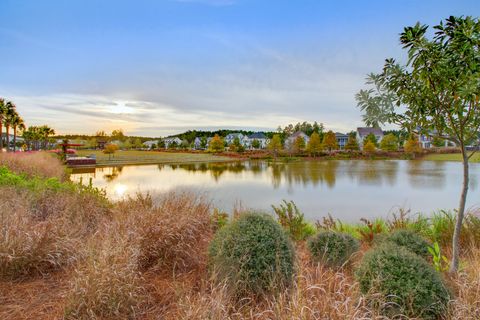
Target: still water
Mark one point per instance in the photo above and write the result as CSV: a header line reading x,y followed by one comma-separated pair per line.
x,y
348,190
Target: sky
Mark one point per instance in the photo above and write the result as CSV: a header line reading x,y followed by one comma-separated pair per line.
x,y
160,67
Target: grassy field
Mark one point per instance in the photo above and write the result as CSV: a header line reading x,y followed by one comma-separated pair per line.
x,y
451,157
150,157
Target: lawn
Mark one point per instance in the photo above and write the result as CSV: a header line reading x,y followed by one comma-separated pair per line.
x,y
451,157
150,157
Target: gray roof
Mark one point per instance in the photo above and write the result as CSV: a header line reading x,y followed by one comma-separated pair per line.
x,y
338,134
365,131
257,135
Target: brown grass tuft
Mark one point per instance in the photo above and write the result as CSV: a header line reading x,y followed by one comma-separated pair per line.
x,y
39,164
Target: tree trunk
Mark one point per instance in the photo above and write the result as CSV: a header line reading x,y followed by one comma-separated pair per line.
x,y
14,139
7,129
1,135
461,213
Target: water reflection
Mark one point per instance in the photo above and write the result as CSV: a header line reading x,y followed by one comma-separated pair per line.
x,y
346,189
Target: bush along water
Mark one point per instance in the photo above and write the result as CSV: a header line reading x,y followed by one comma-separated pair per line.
x,y
410,241
399,282
252,256
332,248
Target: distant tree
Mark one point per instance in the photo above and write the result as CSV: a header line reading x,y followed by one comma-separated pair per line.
x,y
216,144
128,144
314,146
101,134
161,144
173,145
412,145
153,146
235,145
371,137
92,143
185,144
352,143
389,143
255,144
137,144
203,143
118,135
438,142
110,149
330,141
275,145
369,147
299,144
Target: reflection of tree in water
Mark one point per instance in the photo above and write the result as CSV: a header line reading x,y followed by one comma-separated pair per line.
x,y
305,172
375,172
113,174
216,169
429,174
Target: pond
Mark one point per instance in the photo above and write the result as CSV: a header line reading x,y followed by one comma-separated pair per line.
x,y
348,190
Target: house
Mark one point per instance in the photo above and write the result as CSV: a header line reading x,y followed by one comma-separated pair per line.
x,y
197,143
150,143
169,141
426,139
260,137
342,139
363,132
231,136
290,140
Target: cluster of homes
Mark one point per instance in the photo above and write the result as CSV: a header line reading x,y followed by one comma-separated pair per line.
x,y
262,141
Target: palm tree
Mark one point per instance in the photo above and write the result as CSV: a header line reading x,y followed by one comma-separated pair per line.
x,y
17,123
45,132
2,114
7,120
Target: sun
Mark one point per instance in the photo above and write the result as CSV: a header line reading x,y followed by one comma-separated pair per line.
x,y
121,108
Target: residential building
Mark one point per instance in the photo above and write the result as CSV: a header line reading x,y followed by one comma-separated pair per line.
x,y
169,141
231,136
363,132
342,140
260,137
290,140
150,143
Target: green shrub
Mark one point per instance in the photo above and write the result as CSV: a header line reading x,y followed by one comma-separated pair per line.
x,y
332,248
410,241
399,282
292,220
252,255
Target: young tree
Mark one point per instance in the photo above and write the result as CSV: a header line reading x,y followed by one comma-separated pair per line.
x,y
369,147
216,144
275,145
438,142
255,144
412,145
203,143
298,145
439,90
352,143
161,144
110,149
371,137
314,146
389,143
330,141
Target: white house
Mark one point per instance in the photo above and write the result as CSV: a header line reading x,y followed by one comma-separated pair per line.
x,y
150,143
290,140
363,132
231,136
169,141
342,139
260,137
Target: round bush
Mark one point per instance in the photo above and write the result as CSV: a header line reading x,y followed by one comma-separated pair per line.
x,y
399,282
410,241
252,255
332,248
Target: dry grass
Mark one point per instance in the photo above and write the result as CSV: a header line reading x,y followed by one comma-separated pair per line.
x,y
39,164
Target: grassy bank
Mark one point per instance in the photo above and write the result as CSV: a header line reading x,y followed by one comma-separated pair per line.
x,y
67,252
451,157
131,157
